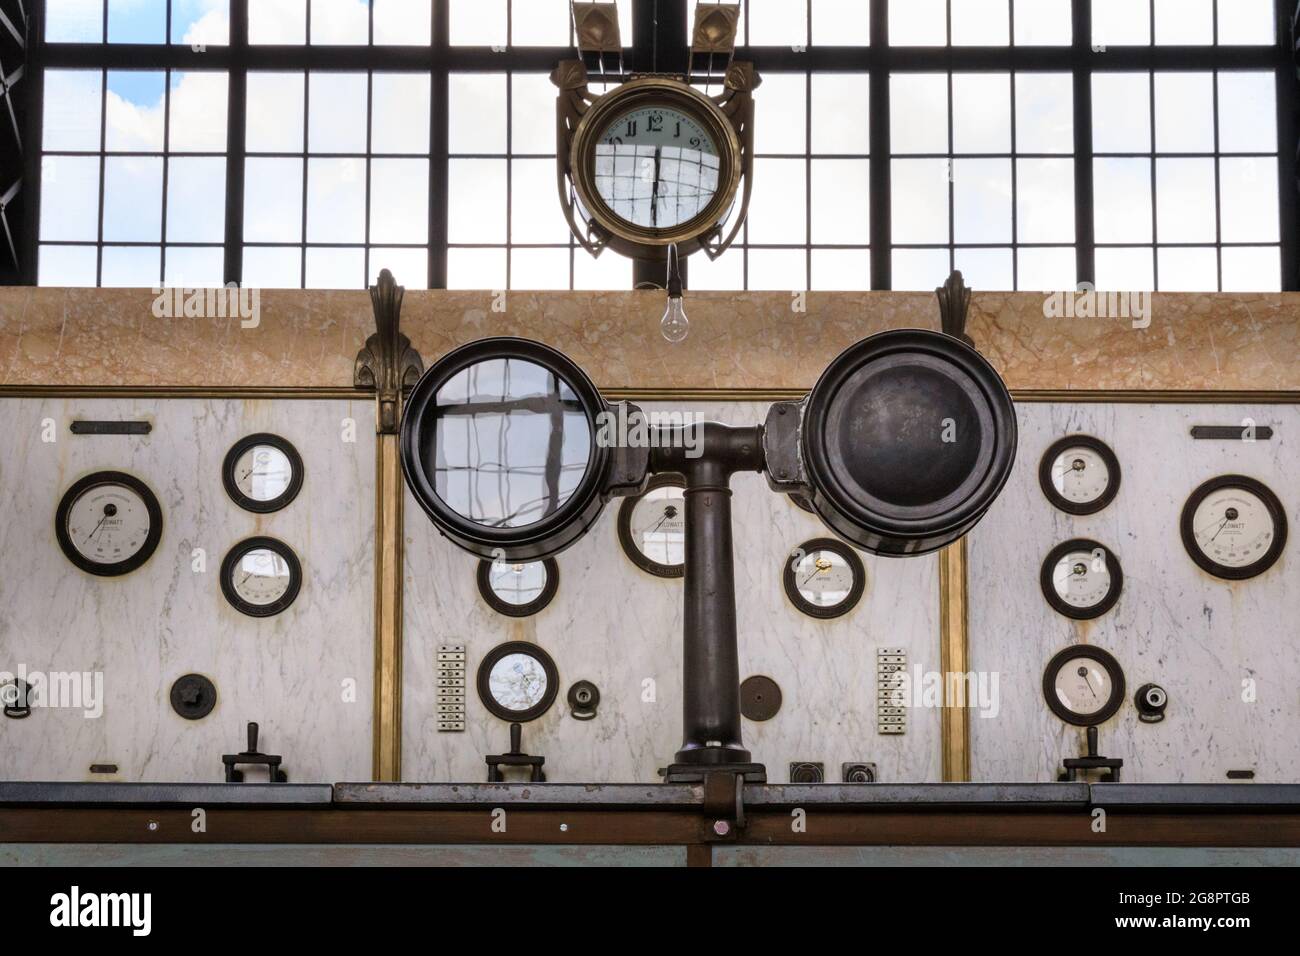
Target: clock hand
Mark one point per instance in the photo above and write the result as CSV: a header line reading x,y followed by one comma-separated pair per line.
x,y
1221,527
96,528
658,523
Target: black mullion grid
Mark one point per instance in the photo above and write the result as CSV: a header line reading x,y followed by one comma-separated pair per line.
x,y
1085,233
1155,203
306,164
365,227
236,141
438,146
103,147
1014,163
1218,179
166,162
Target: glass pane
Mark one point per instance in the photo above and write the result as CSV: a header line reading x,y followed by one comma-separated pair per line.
x,y
135,111
1046,270
74,21
135,267
1188,270
982,200
1121,22
336,200
493,451
71,118
272,268
399,200
476,200
336,268
1045,200
478,268
199,23
778,270
846,270
841,213
1246,22
539,268
1122,200
1126,270
1121,112
198,113
137,21
840,23
919,192
272,200
478,23
607,272
1043,23
1252,270
1248,200
1185,22
69,197
189,267
410,267
132,199
340,22
477,113
541,23
399,121
777,23
918,22
532,111
277,21
981,23
1185,200
919,270
840,113
777,208
196,199
1184,113
1044,113
1247,113
782,98
534,207
67,265
727,272
275,112
981,113
918,113
403,22
986,268
336,119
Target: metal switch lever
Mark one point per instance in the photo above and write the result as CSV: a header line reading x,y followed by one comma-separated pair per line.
x,y
253,756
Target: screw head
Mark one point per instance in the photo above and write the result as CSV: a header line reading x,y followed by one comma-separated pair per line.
x,y
721,827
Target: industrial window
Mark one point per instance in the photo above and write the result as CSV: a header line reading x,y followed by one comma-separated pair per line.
x,y
1033,144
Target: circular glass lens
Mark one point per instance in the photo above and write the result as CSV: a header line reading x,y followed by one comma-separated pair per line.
x,y
518,584
263,473
517,682
656,167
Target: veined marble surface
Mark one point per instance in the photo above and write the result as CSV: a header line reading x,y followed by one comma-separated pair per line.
x,y
163,620
1194,634
614,624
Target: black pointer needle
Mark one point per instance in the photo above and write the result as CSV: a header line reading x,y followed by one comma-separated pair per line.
x,y
659,522
1220,531
1083,672
96,528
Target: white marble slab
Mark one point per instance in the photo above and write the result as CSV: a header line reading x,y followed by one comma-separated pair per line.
x,y
1196,635
145,629
618,626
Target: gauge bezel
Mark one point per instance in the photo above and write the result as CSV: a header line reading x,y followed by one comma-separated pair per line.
x,y
485,690
856,568
281,500
1048,587
1271,503
251,544
1117,685
502,606
1092,444
628,543
96,480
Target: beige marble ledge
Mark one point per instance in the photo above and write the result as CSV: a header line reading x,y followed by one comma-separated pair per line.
x,y
754,340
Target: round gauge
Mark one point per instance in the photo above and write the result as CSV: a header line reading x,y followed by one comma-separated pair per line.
x,y
824,578
1083,685
108,523
652,527
261,576
518,588
262,473
1081,579
1234,527
1079,474
517,681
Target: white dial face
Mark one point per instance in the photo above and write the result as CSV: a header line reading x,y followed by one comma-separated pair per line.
x,y
1082,578
517,584
656,167
517,682
1083,686
263,473
1080,475
108,524
659,525
1233,527
823,578
260,577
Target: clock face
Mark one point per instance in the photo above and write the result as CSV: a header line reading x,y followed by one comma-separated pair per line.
x,y
1234,527
517,681
518,588
1083,685
1081,579
824,578
1079,474
656,167
261,576
652,528
108,523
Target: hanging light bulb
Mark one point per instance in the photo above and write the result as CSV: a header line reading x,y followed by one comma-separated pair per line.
x,y
674,324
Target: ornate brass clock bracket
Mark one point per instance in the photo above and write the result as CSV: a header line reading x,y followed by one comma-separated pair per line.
x,y
954,307
572,102
387,364
737,104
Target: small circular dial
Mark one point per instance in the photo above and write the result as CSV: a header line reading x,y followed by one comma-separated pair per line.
x,y
262,473
1081,579
656,167
108,523
652,527
824,578
1234,527
1079,474
517,681
1083,685
261,577
518,588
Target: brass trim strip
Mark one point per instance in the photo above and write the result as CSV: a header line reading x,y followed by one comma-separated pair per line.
x,y
388,609
1117,396
178,391
953,660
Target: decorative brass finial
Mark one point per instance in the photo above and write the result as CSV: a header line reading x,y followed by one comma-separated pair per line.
x,y
715,28
954,304
596,25
388,364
